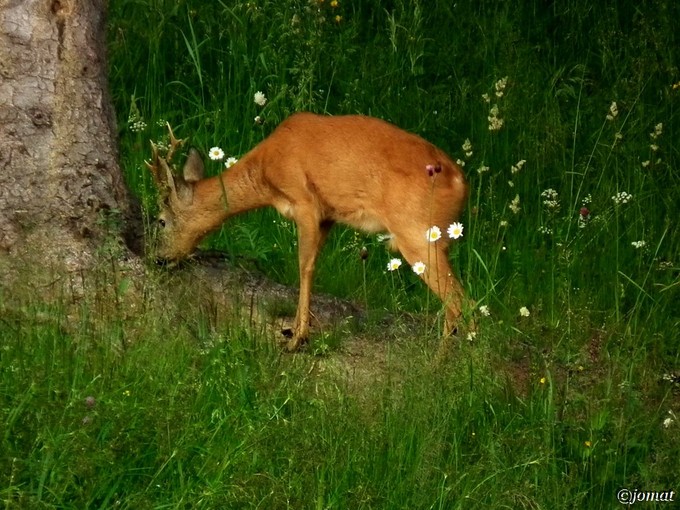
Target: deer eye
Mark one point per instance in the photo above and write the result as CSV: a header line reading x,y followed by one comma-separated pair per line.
x,y
161,222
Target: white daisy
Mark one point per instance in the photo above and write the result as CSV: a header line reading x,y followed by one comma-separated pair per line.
x,y
216,154
455,230
433,234
394,264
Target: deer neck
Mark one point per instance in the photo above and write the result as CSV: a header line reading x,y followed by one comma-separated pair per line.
x,y
238,189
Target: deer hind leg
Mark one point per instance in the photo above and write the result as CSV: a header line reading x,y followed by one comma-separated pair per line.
x,y
439,278
311,235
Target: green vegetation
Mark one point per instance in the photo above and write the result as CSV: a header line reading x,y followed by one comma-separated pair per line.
x,y
571,112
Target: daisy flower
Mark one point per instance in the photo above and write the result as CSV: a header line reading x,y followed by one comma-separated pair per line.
x,y
418,268
394,264
230,162
455,230
216,154
433,234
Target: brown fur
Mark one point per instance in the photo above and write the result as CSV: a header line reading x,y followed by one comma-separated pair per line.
x,y
317,170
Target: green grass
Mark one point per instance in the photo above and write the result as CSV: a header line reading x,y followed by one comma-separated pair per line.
x,y
194,408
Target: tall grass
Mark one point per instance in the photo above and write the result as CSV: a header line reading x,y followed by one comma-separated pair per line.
x,y
559,408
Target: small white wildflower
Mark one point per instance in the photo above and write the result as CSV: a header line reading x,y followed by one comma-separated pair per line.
x,y
455,230
467,148
418,268
517,166
654,147
645,164
622,197
471,336
514,205
394,264
231,161
503,223
639,244
545,230
550,197
162,146
613,111
137,126
588,198
524,311
549,193
495,124
433,234
486,98
460,162
658,129
484,310
511,184
216,154
482,169
259,98
258,120
500,86
669,419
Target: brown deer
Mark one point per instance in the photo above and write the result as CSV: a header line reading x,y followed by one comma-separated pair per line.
x,y
317,170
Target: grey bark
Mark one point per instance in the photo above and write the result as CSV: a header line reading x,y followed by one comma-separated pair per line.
x,y
59,173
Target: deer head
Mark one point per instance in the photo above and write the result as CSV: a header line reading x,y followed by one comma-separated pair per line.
x,y
178,235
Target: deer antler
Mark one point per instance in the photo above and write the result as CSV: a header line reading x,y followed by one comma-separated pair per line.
x,y
157,162
174,144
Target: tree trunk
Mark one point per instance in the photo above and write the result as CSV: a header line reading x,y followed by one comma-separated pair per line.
x,y
60,184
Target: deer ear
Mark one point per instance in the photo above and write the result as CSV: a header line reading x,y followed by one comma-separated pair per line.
x,y
193,168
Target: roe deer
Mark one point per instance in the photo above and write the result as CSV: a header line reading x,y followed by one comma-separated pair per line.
x,y
316,170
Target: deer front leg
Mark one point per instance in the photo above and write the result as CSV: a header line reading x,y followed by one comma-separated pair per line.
x,y
311,236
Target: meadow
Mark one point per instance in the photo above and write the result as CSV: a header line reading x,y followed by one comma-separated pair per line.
x,y
564,116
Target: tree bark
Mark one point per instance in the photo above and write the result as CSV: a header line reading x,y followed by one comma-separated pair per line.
x,y
60,182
